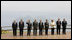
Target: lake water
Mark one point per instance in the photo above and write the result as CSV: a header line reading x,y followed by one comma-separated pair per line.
x,y
67,30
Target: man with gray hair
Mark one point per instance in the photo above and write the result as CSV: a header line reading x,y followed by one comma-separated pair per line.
x,y
64,24
29,27
35,27
14,27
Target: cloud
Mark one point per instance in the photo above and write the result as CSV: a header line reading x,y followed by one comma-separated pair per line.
x,y
45,9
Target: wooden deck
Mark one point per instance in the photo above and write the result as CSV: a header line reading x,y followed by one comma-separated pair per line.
x,y
49,36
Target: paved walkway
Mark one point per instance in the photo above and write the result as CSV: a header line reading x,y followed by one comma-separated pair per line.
x,y
55,36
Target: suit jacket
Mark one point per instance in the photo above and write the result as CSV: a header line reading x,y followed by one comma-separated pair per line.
x,y
14,26
46,25
58,24
21,26
29,25
64,23
41,25
35,25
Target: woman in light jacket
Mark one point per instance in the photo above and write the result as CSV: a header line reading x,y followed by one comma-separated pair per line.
x,y
52,26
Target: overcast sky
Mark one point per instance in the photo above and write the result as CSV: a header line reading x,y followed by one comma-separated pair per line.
x,y
15,9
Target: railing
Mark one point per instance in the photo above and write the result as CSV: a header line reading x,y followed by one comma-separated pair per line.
x,y
6,31
31,29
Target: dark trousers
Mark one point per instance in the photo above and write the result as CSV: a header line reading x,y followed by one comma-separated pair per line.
x,y
52,31
29,32
46,31
35,32
40,31
64,30
58,29
21,32
14,32
1,31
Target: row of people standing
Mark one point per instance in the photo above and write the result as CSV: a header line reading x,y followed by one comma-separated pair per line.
x,y
64,24
15,25
39,26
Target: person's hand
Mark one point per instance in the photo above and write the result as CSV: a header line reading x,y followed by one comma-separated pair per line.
x,y
52,25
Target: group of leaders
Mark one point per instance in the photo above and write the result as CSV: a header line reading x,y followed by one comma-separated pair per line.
x,y
39,26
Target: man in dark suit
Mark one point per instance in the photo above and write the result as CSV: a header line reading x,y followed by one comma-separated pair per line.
x,y
64,24
46,27
14,27
21,26
58,23
35,26
29,27
40,27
